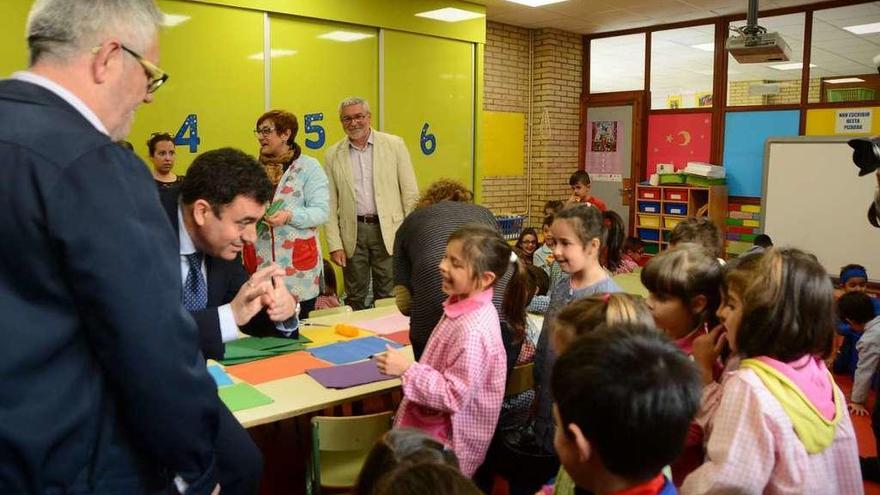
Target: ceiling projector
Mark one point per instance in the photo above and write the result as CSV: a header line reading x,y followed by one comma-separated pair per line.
x,y
752,44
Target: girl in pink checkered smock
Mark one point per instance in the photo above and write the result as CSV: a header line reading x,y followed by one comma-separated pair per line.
x,y
780,424
455,390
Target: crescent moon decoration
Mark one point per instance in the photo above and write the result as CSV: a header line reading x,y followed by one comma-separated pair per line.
x,y
687,138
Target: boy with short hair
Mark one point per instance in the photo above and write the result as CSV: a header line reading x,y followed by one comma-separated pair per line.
x,y
615,428
580,190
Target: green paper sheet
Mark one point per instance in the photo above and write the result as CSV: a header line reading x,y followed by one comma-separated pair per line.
x,y
243,396
269,343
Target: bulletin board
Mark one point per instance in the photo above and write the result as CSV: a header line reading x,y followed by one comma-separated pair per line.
x,y
744,136
503,142
813,199
429,102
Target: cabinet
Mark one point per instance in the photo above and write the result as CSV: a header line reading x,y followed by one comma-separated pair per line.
x,y
660,208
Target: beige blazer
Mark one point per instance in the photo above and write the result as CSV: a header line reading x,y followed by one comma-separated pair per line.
x,y
394,187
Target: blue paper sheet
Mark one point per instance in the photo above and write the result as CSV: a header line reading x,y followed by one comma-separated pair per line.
x,y
353,350
219,375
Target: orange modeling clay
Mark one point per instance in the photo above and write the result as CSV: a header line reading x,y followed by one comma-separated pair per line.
x,y
347,330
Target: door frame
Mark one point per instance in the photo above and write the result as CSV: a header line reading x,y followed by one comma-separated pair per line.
x,y
637,100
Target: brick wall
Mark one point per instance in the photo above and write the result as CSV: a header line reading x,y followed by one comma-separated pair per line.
x,y
789,93
555,90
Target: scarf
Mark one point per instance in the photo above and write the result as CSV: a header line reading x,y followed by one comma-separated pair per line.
x,y
275,166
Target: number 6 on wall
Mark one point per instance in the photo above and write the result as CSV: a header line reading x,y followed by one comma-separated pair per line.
x,y
191,125
427,141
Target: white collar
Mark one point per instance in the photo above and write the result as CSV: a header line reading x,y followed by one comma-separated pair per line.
x,y
186,243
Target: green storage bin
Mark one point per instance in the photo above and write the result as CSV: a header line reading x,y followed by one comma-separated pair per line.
x,y
672,179
838,95
651,248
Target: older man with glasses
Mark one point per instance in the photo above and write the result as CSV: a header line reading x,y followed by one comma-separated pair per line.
x,y
372,188
104,389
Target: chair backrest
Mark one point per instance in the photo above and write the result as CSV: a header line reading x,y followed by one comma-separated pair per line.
x,y
388,301
341,433
330,311
520,380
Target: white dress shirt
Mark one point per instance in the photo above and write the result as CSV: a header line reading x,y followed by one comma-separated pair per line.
x,y
362,173
64,94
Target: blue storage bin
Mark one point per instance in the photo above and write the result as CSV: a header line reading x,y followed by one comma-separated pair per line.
x,y
649,234
510,225
675,208
649,207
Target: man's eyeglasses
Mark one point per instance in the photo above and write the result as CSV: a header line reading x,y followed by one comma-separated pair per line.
x,y
348,119
156,77
263,131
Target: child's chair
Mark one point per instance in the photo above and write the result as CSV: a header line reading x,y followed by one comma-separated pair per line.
x,y
388,301
330,311
339,448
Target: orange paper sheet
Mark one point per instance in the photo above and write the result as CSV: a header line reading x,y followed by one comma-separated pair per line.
x,y
266,370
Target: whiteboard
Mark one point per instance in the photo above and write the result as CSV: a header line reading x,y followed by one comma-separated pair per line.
x,y
814,199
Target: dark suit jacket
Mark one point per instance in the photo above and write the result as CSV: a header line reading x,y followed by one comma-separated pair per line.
x,y
224,279
102,387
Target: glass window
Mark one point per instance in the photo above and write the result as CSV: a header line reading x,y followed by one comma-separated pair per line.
x,y
771,83
617,63
844,43
681,67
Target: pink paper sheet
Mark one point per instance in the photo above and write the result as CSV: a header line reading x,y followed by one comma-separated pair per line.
x,y
387,324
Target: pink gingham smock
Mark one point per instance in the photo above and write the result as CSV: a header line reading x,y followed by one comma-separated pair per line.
x,y
753,448
462,374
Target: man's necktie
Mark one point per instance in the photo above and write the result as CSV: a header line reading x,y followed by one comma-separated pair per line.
x,y
195,289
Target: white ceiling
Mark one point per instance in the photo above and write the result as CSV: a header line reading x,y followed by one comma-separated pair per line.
x,y
597,16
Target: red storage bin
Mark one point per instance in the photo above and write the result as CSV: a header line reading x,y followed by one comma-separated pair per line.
x,y
649,193
675,194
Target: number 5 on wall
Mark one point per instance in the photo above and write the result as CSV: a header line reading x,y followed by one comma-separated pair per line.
x,y
190,125
312,128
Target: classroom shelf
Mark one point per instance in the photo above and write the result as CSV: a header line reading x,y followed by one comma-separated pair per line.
x,y
660,208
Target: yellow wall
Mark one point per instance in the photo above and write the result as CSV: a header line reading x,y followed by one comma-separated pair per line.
x,y
429,102
389,14
503,142
13,48
220,82
313,80
822,122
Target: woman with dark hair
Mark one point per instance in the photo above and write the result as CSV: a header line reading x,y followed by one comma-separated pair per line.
x,y
526,245
162,156
301,204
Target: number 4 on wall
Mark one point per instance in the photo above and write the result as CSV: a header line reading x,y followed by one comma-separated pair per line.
x,y
190,126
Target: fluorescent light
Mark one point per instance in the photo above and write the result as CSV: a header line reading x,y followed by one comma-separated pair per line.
x,y
450,14
274,53
171,20
345,36
844,80
873,27
536,3
791,66
706,47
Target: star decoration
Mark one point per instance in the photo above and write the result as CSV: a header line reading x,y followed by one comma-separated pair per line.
x,y
669,138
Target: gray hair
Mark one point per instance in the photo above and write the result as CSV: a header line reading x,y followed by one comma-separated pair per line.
x,y
62,28
354,100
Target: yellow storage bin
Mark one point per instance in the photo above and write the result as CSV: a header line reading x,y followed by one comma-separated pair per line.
x,y
670,223
649,221
751,208
751,223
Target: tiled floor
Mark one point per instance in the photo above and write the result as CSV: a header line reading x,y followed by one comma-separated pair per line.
x,y
862,425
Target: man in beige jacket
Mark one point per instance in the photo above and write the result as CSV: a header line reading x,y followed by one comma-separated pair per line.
x,y
372,188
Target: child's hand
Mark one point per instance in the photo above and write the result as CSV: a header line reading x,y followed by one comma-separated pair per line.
x,y
706,350
393,362
574,199
857,409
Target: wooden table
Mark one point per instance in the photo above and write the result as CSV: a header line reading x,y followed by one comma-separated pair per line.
x,y
301,394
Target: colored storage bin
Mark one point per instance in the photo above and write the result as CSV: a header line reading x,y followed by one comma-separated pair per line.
x,y
675,208
651,248
734,221
672,179
751,223
649,234
649,193
751,208
670,223
675,194
649,207
666,236
649,221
